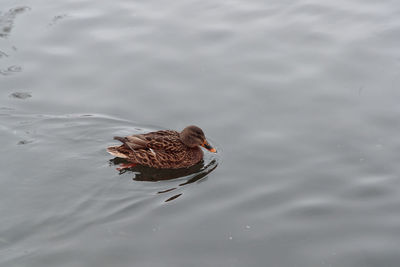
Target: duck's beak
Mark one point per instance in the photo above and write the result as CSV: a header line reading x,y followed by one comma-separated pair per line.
x,y
207,146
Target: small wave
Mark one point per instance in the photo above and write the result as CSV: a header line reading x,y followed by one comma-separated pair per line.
x,y
7,20
21,95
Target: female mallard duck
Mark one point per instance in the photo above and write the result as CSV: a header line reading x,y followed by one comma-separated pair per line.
x,y
165,149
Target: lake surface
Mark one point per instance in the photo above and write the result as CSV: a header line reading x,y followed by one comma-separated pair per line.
x,y
301,99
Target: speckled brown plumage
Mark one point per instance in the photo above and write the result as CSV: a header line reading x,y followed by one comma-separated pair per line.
x,y
165,149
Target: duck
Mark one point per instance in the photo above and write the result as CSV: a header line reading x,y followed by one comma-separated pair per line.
x,y
165,149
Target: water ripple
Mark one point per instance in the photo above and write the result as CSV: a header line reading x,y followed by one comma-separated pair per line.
x,y
7,20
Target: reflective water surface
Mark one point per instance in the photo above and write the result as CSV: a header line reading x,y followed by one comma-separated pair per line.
x,y
300,98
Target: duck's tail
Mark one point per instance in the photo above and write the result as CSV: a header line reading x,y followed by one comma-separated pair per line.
x,y
121,139
113,150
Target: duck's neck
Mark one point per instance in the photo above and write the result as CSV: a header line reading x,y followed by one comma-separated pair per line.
x,y
185,139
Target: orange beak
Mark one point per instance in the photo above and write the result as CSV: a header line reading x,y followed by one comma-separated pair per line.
x,y
207,146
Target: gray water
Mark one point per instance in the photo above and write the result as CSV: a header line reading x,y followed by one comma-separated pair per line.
x,y
301,98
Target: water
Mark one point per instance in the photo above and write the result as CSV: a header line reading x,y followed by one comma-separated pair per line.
x,y
300,97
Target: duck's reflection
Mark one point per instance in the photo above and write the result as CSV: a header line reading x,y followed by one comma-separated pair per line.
x,y
148,174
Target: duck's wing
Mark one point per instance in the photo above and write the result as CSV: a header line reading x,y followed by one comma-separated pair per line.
x,y
132,142
165,140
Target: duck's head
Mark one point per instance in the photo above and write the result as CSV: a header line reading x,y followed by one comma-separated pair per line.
x,y
193,136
